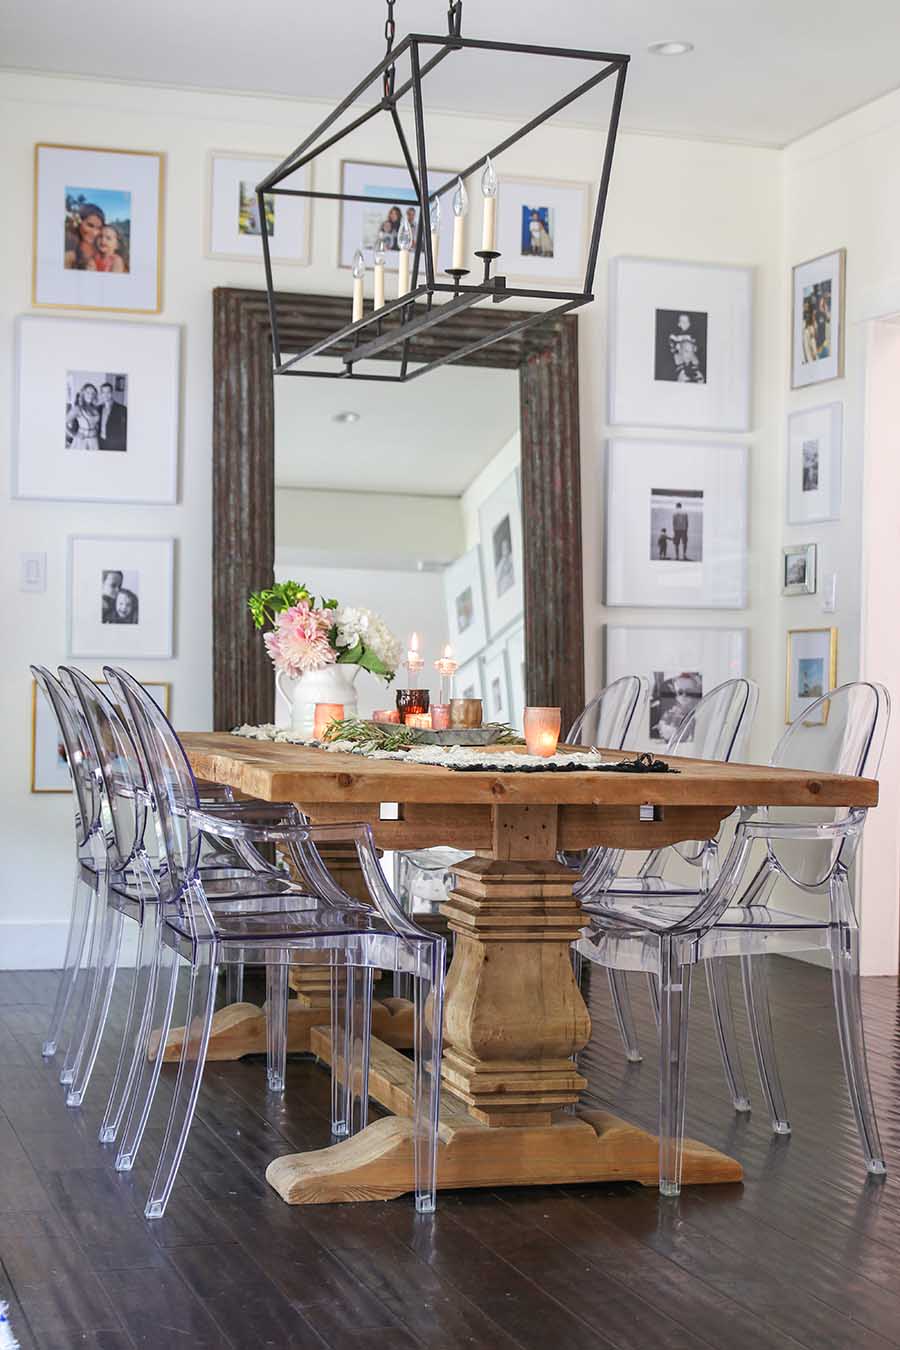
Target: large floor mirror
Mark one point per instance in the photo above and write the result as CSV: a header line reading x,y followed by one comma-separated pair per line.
x,y
450,504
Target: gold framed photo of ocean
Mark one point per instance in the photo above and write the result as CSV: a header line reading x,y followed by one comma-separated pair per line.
x,y
49,767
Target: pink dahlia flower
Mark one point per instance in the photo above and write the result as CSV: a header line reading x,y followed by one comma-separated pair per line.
x,y
299,640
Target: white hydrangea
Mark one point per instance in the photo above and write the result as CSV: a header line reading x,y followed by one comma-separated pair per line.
x,y
363,625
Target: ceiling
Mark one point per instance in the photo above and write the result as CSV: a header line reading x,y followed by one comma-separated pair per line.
x,y
429,436
764,72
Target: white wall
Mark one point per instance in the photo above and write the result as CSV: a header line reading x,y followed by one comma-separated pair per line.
x,y
364,524
495,472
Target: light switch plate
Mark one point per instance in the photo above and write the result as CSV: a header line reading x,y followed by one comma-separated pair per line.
x,y
32,572
829,593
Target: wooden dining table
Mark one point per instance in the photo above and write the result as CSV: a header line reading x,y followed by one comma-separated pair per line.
x,y
514,1015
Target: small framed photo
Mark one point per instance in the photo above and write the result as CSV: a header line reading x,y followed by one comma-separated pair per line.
x,y
49,767
817,319
497,707
542,231
680,344
467,682
98,229
798,569
515,666
811,671
464,596
121,593
681,664
235,229
500,528
362,223
676,524
96,414
814,464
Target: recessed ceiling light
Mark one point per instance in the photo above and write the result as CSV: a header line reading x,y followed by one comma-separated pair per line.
x,y
346,417
670,48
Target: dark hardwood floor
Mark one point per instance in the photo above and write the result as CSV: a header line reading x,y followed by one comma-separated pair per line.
x,y
804,1254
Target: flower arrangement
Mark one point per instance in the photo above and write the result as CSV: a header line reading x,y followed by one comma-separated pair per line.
x,y
306,635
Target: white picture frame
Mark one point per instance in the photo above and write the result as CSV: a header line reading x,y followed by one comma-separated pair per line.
x,y
495,685
681,664
676,524
358,224
73,445
125,188
464,597
817,319
515,665
680,344
233,228
557,252
467,682
49,769
500,535
100,624
810,672
799,569
814,464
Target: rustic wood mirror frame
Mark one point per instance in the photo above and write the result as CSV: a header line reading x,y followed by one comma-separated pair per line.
x,y
243,482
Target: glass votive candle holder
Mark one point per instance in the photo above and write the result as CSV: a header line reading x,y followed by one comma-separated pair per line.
x,y
542,731
412,701
325,714
421,721
440,716
386,715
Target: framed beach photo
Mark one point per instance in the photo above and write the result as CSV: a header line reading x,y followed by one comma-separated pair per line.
x,y
98,218
798,569
680,344
542,231
515,666
500,529
811,671
121,597
49,766
361,223
495,677
681,664
234,226
817,319
676,524
96,410
814,464
464,596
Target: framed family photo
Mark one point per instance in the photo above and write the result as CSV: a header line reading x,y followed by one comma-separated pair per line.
x,y
49,766
464,596
235,228
817,319
680,344
96,410
500,527
98,218
814,464
542,231
361,222
676,524
681,664
811,671
798,569
121,597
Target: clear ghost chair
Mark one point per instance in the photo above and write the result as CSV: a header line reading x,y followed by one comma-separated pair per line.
x,y
808,849
321,926
717,728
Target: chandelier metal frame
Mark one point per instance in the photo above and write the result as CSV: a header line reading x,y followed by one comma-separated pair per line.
x,y
399,320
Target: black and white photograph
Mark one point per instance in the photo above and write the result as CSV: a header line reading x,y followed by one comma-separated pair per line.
x,y
815,438
464,600
496,686
500,536
799,569
504,570
676,524
817,320
673,696
810,466
681,346
96,410
795,569
119,592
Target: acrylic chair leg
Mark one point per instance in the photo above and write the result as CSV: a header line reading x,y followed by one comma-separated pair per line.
x,y
276,1024
234,982
653,991
84,982
82,896
161,1001
341,1012
621,1001
577,964
360,1028
428,1037
756,996
723,1021
110,946
674,1004
133,1034
201,1004
845,978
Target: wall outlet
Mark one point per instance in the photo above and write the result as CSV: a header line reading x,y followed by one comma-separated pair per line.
x,y
32,572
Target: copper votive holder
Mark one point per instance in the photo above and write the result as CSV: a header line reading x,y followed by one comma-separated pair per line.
x,y
542,731
466,712
440,716
421,721
325,714
412,701
386,715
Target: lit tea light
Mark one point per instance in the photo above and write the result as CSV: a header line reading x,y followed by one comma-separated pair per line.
x,y
414,660
446,667
421,721
386,715
325,714
542,731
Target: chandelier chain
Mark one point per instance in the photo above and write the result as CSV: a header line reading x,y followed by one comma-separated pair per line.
x,y
390,31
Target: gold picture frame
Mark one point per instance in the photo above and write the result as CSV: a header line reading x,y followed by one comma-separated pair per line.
x,y
38,703
814,691
838,320
63,303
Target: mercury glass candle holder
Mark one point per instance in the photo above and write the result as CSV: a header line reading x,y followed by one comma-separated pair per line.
x,y
542,731
325,714
412,701
440,716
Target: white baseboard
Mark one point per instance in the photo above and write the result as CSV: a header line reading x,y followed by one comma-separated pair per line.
x,y
42,946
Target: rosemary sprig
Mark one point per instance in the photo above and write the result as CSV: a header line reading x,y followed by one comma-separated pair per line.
x,y
368,736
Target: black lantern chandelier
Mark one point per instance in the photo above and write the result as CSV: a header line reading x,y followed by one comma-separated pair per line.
x,y
426,297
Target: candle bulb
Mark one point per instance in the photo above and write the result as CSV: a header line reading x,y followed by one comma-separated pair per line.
x,y
460,211
434,218
379,256
404,242
489,220
446,668
359,272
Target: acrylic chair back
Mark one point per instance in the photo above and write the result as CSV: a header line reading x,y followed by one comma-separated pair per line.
x,y
842,732
120,770
79,750
609,717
